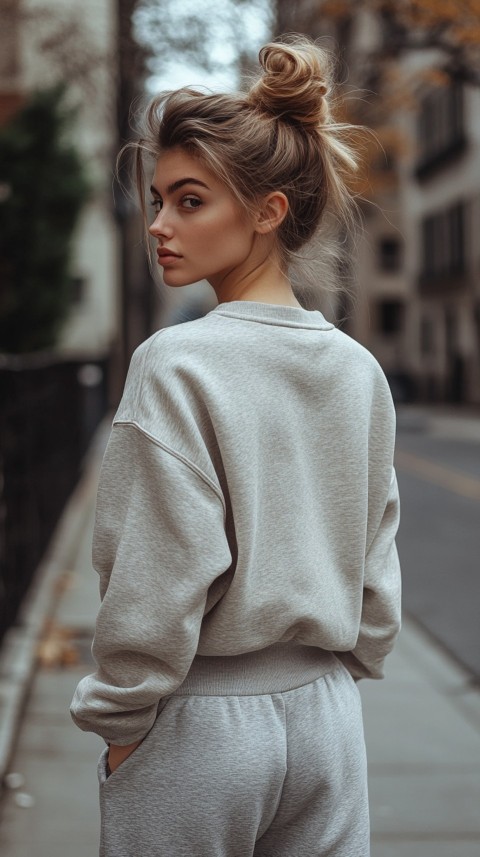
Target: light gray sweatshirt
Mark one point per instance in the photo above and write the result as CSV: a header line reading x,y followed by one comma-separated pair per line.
x,y
247,497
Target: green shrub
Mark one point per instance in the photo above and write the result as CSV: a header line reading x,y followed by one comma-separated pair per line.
x,y
43,187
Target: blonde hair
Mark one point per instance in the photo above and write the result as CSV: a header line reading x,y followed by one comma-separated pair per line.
x,y
278,136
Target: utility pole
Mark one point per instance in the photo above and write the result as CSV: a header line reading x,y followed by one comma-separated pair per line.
x,y
137,289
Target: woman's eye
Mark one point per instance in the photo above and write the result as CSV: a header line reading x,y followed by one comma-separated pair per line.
x,y
157,205
191,202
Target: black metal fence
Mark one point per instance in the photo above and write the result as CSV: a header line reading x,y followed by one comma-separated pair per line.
x,y
50,409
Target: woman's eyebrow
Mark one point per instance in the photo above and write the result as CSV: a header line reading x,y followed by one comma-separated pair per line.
x,y
178,184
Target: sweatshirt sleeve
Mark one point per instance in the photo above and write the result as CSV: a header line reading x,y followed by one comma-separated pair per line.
x,y
381,608
159,543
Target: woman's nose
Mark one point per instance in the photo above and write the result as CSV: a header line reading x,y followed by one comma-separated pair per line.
x,y
160,226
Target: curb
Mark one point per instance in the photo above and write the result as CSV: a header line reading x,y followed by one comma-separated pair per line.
x,y
18,654
440,421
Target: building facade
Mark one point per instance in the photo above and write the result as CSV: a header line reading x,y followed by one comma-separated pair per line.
x,y
416,263
441,182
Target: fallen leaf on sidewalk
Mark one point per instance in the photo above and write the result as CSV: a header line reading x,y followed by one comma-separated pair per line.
x,y
56,648
14,780
24,800
63,583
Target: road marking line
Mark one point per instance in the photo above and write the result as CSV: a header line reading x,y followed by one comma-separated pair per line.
x,y
459,483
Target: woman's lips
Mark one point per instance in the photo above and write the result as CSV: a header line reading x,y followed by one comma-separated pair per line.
x,y
166,258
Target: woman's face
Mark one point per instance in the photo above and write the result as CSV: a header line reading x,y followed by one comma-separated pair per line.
x,y
201,231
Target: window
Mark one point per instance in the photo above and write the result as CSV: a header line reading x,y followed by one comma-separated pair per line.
x,y
427,336
390,316
389,254
443,239
440,127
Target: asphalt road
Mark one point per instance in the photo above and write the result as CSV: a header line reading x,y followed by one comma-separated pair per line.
x,y
439,538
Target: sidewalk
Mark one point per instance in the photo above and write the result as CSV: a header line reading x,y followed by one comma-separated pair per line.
x,y
422,724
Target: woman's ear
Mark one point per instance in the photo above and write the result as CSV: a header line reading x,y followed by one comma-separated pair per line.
x,y
271,212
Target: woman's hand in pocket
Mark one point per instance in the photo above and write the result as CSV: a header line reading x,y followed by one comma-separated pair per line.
x,y
117,754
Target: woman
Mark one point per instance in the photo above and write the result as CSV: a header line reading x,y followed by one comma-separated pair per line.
x,y
247,506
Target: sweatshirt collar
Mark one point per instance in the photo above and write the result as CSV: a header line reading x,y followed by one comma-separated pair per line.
x,y
279,314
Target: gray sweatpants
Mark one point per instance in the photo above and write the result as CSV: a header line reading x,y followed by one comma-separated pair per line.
x,y
258,755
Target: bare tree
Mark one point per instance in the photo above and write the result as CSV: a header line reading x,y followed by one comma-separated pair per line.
x,y
209,36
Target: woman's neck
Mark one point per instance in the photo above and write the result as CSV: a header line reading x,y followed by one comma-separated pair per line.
x,y
266,283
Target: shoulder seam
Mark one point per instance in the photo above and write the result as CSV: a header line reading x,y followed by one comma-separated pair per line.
x,y
203,476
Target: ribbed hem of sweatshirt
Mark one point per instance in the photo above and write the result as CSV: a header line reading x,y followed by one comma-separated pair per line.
x,y
274,669
280,314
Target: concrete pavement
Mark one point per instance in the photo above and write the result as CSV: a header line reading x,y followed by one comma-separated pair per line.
x,y
422,722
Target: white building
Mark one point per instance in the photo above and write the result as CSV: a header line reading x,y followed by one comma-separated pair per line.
x,y
441,190
417,302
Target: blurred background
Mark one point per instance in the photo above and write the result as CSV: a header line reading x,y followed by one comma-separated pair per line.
x,y
77,296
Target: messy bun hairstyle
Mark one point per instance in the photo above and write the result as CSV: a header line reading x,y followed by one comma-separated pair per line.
x,y
278,136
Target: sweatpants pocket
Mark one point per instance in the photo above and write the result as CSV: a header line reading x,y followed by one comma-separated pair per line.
x,y
104,777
